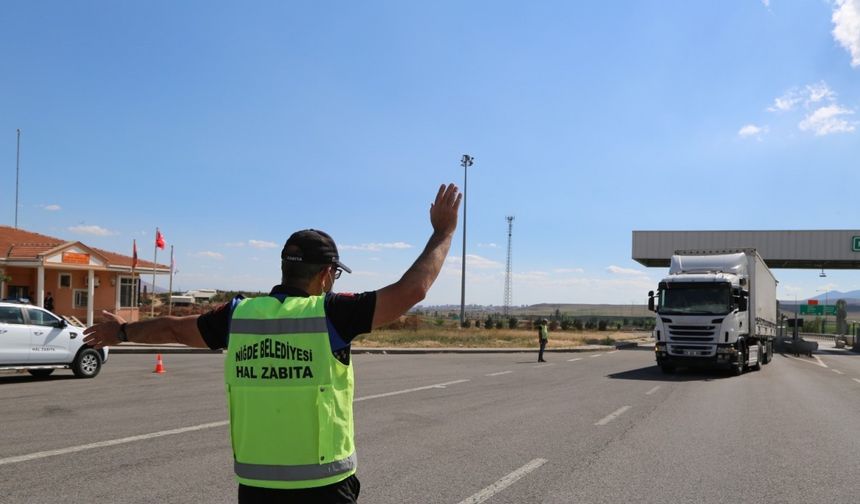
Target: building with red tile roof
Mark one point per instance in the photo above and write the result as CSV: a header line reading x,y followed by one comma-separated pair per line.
x,y
82,280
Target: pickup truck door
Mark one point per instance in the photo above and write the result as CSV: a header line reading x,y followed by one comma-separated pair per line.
x,y
49,338
14,336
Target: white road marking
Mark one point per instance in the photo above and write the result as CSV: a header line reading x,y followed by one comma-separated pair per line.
x,y
612,416
503,483
596,355
612,352
819,360
499,373
837,371
818,363
655,389
855,379
416,389
111,442
574,360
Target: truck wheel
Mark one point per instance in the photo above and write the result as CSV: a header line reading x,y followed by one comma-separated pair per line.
x,y
40,373
87,364
758,358
768,353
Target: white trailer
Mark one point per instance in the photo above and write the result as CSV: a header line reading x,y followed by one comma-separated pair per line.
x,y
717,308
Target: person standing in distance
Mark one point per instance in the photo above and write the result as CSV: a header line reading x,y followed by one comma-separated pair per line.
x,y
287,367
49,302
543,337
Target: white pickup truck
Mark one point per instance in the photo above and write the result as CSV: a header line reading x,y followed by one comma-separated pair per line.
x,y
36,340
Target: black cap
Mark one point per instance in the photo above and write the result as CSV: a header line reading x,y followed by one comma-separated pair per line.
x,y
311,246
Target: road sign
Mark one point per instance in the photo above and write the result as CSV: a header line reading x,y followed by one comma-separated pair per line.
x,y
855,244
818,309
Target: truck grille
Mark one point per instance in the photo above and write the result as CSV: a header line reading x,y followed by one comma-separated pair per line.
x,y
693,333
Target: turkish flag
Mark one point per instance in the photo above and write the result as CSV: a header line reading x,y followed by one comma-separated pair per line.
x,y
134,254
159,239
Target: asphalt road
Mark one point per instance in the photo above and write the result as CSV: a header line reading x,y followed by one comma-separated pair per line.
x,y
599,427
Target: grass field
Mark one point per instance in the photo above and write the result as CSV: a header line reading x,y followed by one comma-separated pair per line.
x,y
488,338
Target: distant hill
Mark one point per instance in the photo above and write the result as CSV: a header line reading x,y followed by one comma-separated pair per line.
x,y
549,309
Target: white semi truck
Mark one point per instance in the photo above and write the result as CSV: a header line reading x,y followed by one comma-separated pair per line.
x,y
716,309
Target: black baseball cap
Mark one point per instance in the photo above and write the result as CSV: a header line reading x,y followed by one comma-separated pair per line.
x,y
312,246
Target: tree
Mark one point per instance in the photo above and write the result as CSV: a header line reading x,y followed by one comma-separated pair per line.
x,y
512,323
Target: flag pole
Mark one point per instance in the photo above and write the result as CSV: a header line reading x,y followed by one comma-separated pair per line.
x,y
154,265
170,289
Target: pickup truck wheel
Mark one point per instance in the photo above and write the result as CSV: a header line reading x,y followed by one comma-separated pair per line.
x,y
40,373
87,364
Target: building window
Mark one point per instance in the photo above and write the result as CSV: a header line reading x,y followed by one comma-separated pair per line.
x,y
65,280
80,298
128,292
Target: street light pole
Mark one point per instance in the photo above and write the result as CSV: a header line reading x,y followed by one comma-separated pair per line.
x,y
466,161
17,174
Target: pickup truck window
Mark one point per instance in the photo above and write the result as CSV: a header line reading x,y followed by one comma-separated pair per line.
x,y
41,317
11,315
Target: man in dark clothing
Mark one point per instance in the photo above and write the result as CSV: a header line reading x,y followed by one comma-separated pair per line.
x,y
310,264
49,302
543,337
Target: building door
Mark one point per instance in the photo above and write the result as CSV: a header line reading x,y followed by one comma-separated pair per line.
x,y
21,292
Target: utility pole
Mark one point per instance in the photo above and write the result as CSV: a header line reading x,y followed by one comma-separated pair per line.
x,y
466,161
507,308
17,174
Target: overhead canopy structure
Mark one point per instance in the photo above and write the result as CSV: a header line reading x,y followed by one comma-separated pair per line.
x,y
828,249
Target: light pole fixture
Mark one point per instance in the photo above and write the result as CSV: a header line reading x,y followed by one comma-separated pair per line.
x,y
466,161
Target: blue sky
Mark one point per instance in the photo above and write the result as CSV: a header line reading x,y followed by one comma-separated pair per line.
x,y
231,125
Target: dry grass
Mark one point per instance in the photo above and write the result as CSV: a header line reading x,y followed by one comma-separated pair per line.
x,y
486,338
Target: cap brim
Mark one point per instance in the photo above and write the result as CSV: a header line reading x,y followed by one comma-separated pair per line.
x,y
343,266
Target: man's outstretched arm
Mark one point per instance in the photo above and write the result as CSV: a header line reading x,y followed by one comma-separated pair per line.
x,y
153,331
396,299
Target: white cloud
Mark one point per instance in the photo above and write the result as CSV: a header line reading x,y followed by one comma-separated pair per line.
x,y
562,271
817,92
618,270
751,130
473,261
487,245
827,120
52,208
376,247
91,230
234,244
787,101
262,244
766,3
209,255
846,27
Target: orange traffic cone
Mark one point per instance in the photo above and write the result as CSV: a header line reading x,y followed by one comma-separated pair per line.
x,y
159,366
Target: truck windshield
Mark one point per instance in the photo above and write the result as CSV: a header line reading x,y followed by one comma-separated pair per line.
x,y
695,299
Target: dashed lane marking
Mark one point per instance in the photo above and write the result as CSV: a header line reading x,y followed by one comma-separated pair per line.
x,y
836,371
817,363
596,355
655,389
416,389
855,379
111,442
503,483
499,373
612,416
574,359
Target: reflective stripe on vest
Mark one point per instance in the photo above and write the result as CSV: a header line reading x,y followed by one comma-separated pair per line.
x,y
294,473
279,326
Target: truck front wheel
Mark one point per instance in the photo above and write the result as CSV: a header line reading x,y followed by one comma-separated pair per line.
x,y
87,364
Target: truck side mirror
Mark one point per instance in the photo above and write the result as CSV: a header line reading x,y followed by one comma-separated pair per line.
x,y
651,300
